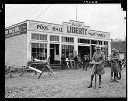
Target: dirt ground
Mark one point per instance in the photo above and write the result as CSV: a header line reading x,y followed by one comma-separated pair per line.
x,y
63,84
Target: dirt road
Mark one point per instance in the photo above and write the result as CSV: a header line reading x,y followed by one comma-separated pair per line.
x,y
64,83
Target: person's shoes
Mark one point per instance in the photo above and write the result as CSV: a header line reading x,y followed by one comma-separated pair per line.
x,y
115,80
90,86
118,78
111,80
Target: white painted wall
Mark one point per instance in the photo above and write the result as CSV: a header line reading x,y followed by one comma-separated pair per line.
x,y
16,50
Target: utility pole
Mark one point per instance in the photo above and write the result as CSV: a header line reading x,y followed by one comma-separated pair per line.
x,y
76,12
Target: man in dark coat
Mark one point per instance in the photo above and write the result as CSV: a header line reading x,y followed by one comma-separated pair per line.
x,y
98,68
114,65
85,62
63,61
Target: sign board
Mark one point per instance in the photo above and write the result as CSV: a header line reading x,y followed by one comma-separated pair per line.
x,y
71,27
16,30
45,27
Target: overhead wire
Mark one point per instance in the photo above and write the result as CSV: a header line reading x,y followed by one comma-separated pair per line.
x,y
42,12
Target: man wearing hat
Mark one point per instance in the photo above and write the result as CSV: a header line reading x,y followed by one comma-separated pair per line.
x,y
114,64
98,69
86,62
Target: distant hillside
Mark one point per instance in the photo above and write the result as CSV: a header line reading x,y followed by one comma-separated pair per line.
x,y
121,46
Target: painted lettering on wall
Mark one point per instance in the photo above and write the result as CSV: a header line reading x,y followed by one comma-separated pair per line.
x,y
59,29
76,30
16,30
71,28
100,35
42,27
76,24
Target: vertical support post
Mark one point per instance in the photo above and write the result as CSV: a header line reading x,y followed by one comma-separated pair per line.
x,y
90,51
95,74
60,48
109,49
48,46
76,44
76,12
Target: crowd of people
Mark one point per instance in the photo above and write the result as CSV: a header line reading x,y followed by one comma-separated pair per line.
x,y
75,61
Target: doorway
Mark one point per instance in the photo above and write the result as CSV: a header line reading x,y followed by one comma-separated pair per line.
x,y
83,50
54,52
52,56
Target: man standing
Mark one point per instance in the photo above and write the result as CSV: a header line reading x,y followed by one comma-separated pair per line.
x,y
114,65
98,69
63,61
119,66
86,62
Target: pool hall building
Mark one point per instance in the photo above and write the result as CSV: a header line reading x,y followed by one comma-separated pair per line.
x,y
41,39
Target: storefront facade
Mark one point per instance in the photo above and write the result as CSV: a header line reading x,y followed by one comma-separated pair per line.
x,y
47,39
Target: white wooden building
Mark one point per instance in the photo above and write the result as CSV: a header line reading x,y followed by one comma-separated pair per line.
x,y
41,39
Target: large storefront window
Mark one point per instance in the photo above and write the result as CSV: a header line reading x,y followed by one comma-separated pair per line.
x,y
68,39
39,50
54,38
105,43
83,41
94,42
67,49
36,36
100,42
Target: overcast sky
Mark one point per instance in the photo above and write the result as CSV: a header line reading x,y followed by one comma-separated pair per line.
x,y
100,17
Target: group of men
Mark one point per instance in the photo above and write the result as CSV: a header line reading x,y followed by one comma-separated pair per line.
x,y
98,68
99,58
75,61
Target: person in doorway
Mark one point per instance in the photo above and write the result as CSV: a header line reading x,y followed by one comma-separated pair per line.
x,y
86,62
63,61
98,69
114,65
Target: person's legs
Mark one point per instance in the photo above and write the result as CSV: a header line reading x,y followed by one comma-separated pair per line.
x,y
92,76
120,71
71,64
111,76
120,75
62,65
86,66
76,64
99,81
83,65
115,76
80,64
